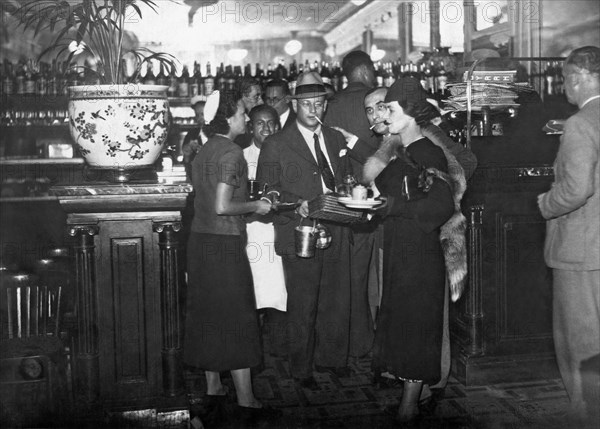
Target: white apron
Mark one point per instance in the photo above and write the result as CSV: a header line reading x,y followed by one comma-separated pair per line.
x,y
266,265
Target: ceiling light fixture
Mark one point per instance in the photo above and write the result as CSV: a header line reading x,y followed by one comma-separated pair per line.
x,y
377,54
236,54
293,46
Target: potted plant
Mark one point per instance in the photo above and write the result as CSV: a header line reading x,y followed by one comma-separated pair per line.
x,y
115,124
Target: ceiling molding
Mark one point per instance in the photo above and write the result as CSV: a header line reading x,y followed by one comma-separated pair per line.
x,y
348,34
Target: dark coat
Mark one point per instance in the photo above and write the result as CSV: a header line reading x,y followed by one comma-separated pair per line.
x,y
287,165
346,109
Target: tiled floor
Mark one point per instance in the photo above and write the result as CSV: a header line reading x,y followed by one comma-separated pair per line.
x,y
354,402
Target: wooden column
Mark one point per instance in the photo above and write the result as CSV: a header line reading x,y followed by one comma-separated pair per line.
x,y
405,13
434,27
87,367
170,280
474,308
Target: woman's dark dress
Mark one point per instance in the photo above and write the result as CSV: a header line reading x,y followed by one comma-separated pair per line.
x,y
408,339
221,329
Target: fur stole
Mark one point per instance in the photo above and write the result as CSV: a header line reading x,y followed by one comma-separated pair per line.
x,y
453,232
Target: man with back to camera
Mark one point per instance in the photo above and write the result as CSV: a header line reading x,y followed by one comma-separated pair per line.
x,y
346,110
277,95
572,246
301,162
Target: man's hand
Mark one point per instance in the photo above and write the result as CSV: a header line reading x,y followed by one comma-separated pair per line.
x,y
348,136
302,209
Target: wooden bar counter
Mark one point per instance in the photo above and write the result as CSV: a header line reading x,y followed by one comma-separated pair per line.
x,y
501,328
128,342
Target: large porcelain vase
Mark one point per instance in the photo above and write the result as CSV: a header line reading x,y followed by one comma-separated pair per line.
x,y
119,127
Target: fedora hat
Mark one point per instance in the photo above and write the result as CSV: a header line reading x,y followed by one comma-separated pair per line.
x,y
309,85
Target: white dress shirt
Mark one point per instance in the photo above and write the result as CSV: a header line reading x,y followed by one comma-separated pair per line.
x,y
310,141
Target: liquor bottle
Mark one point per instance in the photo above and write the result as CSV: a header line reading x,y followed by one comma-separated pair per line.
x,y
42,80
307,66
183,83
259,74
73,77
270,74
293,73
64,79
208,83
229,79
388,77
378,75
173,83
221,79
20,78
8,78
53,79
336,77
247,70
162,77
325,73
441,78
431,78
558,78
196,81
30,78
549,79
149,77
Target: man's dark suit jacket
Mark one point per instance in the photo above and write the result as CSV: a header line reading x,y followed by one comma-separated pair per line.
x,y
291,119
287,165
346,109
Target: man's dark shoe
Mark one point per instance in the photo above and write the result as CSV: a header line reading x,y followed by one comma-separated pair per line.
x,y
307,383
338,371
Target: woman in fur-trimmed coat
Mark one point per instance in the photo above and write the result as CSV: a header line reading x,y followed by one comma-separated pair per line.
x,y
408,339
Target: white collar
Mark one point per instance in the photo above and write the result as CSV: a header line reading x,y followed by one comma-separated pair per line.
x,y
308,134
283,117
588,100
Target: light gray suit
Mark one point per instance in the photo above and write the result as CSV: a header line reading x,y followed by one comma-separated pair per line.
x,y
572,248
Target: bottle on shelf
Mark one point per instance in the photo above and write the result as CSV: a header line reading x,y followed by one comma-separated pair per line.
x,y
64,78
149,77
20,78
549,79
162,77
183,83
441,78
53,79
325,73
173,84
208,83
196,81
8,78
31,77
229,79
220,79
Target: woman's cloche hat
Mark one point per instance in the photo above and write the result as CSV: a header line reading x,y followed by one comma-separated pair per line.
x,y
309,85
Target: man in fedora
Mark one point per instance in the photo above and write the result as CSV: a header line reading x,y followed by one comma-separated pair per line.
x,y
302,161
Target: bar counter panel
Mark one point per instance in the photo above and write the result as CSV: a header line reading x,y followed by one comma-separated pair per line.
x,y
504,318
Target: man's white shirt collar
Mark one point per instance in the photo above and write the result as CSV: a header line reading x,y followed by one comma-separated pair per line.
x,y
588,100
284,117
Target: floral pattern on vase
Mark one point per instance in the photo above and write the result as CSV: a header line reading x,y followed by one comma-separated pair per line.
x,y
119,126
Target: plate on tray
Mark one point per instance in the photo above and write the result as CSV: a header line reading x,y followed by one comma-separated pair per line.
x,y
359,204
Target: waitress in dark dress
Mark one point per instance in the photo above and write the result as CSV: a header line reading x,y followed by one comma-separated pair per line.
x,y
221,330
408,339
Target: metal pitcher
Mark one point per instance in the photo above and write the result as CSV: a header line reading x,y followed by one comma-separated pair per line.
x,y
305,240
